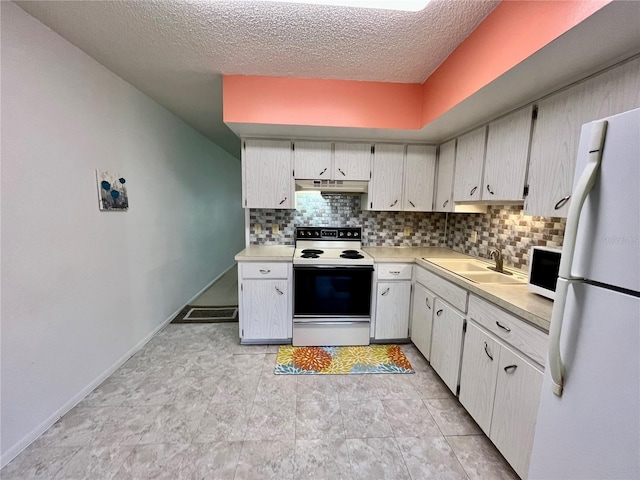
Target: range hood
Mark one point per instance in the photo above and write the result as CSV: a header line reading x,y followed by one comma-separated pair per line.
x,y
333,186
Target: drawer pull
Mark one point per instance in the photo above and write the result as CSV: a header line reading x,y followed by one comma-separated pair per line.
x,y
325,169
395,272
426,300
280,292
264,271
439,312
283,200
486,350
385,292
473,190
562,202
510,368
503,327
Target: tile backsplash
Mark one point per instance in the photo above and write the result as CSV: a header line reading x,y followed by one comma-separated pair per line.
x,y
502,226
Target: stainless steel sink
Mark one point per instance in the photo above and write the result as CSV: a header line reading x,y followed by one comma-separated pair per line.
x,y
477,271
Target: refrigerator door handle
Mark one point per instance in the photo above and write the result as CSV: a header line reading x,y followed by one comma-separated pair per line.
x,y
585,183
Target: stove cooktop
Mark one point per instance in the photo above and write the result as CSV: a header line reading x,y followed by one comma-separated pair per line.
x,y
330,246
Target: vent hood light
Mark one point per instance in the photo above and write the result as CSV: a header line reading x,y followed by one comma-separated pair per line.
x,y
404,5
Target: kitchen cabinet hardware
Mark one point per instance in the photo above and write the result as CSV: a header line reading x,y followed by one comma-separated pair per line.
x,y
510,368
395,272
280,292
283,200
489,189
426,300
439,312
473,190
562,202
386,292
486,350
343,174
394,203
503,327
322,172
412,204
445,203
264,271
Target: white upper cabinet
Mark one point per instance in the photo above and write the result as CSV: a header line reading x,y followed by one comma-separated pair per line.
x,y
352,161
557,133
444,184
385,188
312,160
267,174
469,162
419,178
505,166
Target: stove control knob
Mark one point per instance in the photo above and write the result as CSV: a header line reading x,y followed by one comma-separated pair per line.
x,y
355,234
348,234
341,234
317,234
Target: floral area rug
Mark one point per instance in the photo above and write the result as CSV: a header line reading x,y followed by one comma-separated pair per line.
x,y
341,360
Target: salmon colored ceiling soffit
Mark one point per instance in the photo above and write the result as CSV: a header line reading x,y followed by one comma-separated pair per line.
x,y
515,30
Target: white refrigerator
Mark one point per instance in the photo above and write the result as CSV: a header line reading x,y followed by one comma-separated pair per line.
x,y
588,424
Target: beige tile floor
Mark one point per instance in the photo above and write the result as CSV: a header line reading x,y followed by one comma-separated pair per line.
x,y
224,292
194,404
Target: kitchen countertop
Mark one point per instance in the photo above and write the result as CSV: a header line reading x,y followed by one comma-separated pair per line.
x,y
516,299
266,253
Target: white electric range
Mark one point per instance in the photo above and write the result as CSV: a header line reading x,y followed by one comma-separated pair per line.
x,y
332,284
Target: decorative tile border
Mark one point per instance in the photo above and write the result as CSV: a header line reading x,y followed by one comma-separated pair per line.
x,y
504,227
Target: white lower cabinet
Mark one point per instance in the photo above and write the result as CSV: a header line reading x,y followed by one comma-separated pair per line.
x,y
446,343
264,299
500,389
422,319
392,310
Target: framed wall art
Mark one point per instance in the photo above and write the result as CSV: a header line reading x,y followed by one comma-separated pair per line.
x,y
112,191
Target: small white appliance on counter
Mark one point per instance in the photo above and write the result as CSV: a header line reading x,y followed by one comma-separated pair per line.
x,y
332,281
544,265
588,424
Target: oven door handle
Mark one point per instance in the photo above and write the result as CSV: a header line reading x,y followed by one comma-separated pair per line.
x,y
333,323
364,268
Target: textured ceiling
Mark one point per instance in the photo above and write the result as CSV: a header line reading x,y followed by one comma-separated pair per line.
x,y
176,52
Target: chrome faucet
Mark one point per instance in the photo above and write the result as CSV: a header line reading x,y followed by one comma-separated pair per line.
x,y
497,256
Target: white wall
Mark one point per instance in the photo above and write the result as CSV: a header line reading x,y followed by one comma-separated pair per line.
x,y
82,288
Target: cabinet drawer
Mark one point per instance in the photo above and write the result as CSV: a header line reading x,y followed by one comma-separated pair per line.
x,y
265,270
529,340
449,292
394,271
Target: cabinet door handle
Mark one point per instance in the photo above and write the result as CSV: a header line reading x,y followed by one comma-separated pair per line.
x,y
280,292
264,271
439,312
426,300
489,189
445,203
503,327
486,350
510,368
325,169
562,202
343,174
385,292
393,203
412,204
283,200
473,190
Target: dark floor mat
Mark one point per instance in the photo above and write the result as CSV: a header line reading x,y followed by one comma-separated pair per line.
x,y
199,314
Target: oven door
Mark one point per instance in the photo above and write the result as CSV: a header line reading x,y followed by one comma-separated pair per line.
x,y
340,292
